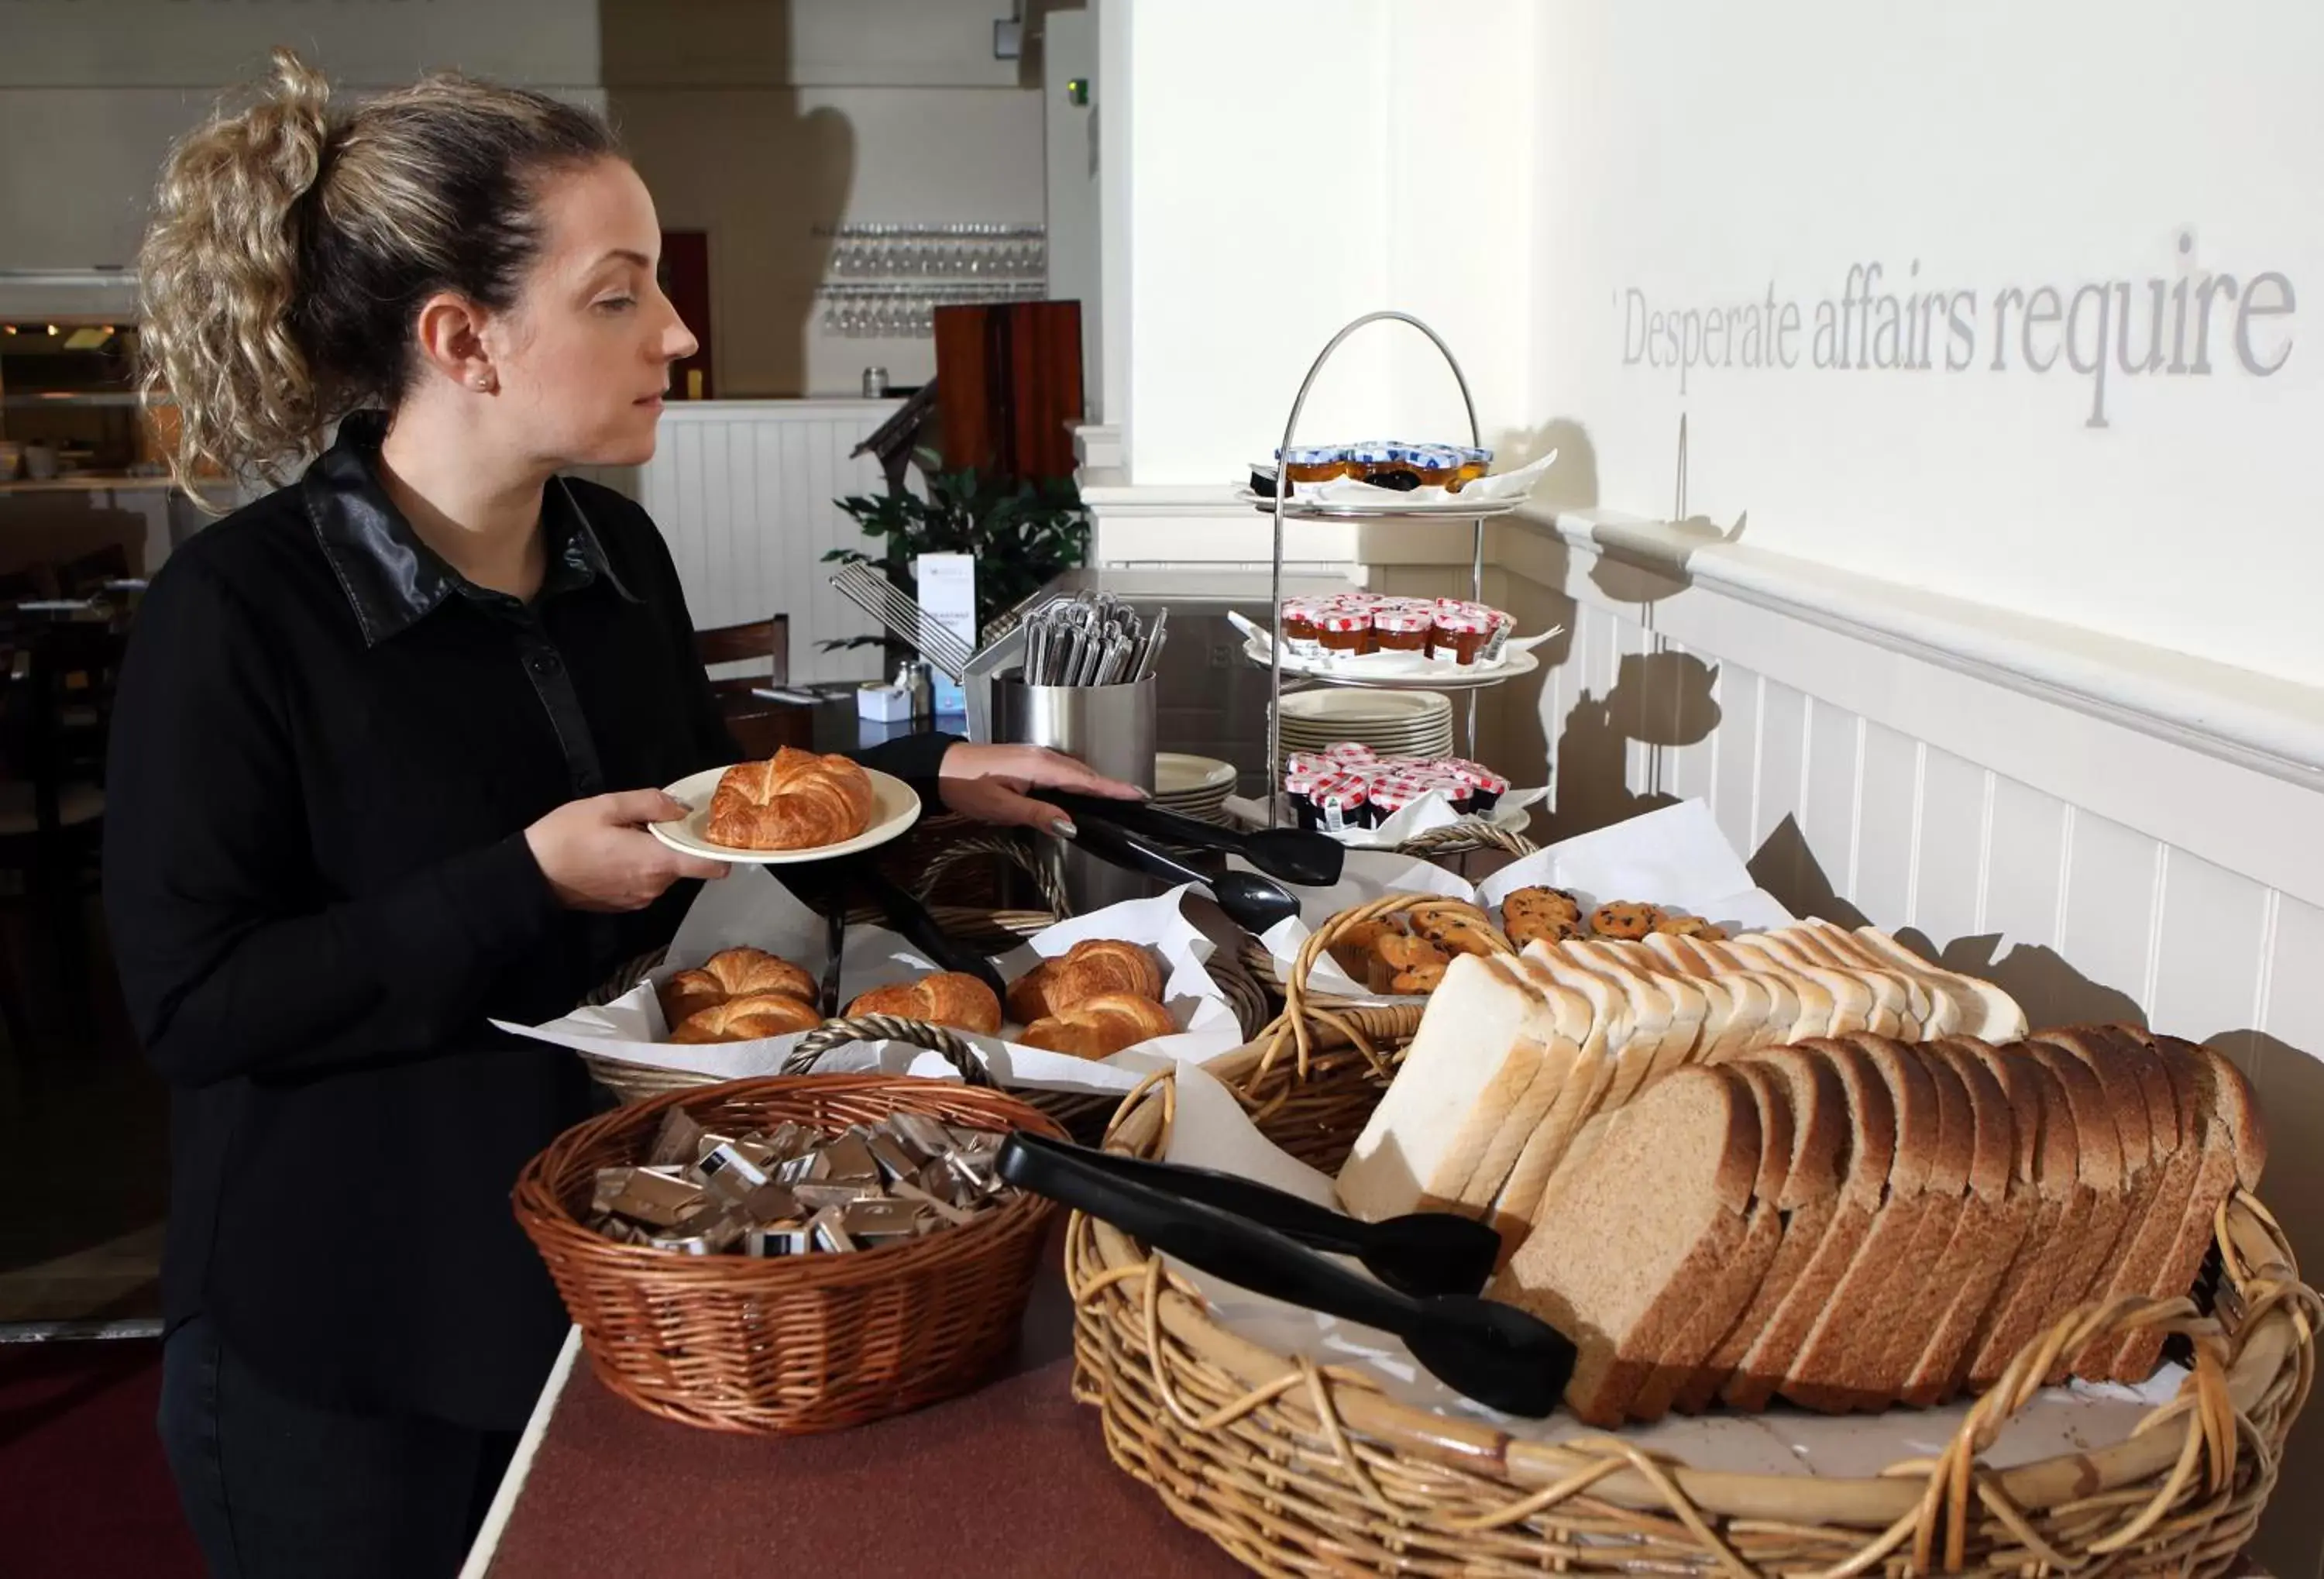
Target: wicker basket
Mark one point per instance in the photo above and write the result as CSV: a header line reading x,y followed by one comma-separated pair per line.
x,y
1301,1469
799,1344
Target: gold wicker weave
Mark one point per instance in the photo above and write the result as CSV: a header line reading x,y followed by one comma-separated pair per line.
x,y
1300,1469
796,1343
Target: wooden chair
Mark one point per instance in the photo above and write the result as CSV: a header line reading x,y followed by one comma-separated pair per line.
x,y
760,725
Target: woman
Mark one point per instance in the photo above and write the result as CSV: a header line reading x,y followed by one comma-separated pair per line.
x,y
383,744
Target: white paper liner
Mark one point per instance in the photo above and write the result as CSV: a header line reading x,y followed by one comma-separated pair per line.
x,y
1212,1130
749,907
1674,856
1429,812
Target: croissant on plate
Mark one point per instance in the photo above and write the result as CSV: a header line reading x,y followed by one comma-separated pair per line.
x,y
732,972
747,1019
1099,1027
794,800
947,998
1095,965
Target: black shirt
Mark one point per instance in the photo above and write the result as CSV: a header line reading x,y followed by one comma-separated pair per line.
x,y
327,746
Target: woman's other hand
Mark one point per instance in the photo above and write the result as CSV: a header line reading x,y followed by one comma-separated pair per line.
x,y
995,784
598,856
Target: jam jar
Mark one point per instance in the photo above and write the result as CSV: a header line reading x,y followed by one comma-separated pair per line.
x,y
1402,627
1313,462
1499,624
1393,793
1381,464
1346,628
1302,636
1459,794
1458,632
1433,466
1486,787
1338,803
1299,789
1474,464
1350,753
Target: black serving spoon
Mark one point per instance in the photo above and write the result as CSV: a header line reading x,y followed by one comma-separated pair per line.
x,y
1252,901
1310,860
1503,1357
1420,1253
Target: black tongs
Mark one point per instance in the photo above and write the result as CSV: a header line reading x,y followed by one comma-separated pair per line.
x,y
1431,1263
1310,860
1253,902
910,917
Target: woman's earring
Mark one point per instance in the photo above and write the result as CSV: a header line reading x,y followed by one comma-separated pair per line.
x,y
483,382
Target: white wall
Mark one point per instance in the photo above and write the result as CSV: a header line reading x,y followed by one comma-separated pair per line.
x,y
1298,163
1703,155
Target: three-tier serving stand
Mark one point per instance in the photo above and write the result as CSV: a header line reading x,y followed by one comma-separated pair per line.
x,y
1284,508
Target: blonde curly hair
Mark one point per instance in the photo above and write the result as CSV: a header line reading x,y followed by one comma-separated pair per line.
x,y
289,251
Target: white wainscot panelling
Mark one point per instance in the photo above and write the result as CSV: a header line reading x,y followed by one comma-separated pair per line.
x,y
744,492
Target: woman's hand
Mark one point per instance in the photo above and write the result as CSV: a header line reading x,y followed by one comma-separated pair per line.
x,y
990,784
598,856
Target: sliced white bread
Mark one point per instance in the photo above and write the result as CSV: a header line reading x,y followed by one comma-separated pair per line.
x,y
1633,1022
1556,1027
1747,1003
1871,1154
1697,1135
2222,1126
1994,1216
1811,1194
1851,998
1835,1371
1918,1011
1724,1295
1585,1087
1469,1062
2062,1206
2001,1018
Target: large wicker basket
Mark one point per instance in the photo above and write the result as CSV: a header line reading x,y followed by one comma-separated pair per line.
x,y
798,1343
1301,1469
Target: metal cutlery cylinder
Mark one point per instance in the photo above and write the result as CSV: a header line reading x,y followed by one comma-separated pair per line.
x,y
1109,727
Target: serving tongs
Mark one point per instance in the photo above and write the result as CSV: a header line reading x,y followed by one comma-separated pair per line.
x,y
1310,860
1499,1356
912,918
1252,901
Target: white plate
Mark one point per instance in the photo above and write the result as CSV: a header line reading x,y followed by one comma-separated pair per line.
x,y
1407,673
1175,773
894,809
1450,507
1388,709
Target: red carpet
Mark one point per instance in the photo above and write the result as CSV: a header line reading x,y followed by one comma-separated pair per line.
x,y
83,1490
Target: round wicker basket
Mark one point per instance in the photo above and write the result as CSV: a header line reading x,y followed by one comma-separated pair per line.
x,y
1297,1468
799,1344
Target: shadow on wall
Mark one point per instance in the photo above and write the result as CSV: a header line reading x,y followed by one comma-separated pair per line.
x,y
726,147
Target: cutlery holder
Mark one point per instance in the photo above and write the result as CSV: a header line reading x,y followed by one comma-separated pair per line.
x,y
1112,729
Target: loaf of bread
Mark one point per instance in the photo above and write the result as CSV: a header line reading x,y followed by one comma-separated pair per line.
x,y
951,998
1860,1221
793,800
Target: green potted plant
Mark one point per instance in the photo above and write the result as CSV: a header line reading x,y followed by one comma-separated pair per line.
x,y
1024,535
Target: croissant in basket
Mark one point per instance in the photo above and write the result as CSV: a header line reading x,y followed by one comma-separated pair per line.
x,y
747,1019
794,800
947,998
1101,1027
1095,965
732,972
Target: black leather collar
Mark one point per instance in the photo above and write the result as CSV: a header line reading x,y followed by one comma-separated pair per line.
x,y
391,577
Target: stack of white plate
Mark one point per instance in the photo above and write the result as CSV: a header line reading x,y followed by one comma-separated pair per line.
x,y
1192,786
1393,723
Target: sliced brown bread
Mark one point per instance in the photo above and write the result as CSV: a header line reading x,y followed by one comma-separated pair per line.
x,y
2230,1144
2159,1204
2086,1240
1837,1369
1871,1154
1697,1136
2126,1101
1891,1348
1812,1185
2062,1205
1723,1297
1995,1214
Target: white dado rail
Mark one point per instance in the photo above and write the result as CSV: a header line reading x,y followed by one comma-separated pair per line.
x,y
744,492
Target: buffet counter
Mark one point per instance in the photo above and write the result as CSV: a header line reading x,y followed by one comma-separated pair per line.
x,y
1012,1478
